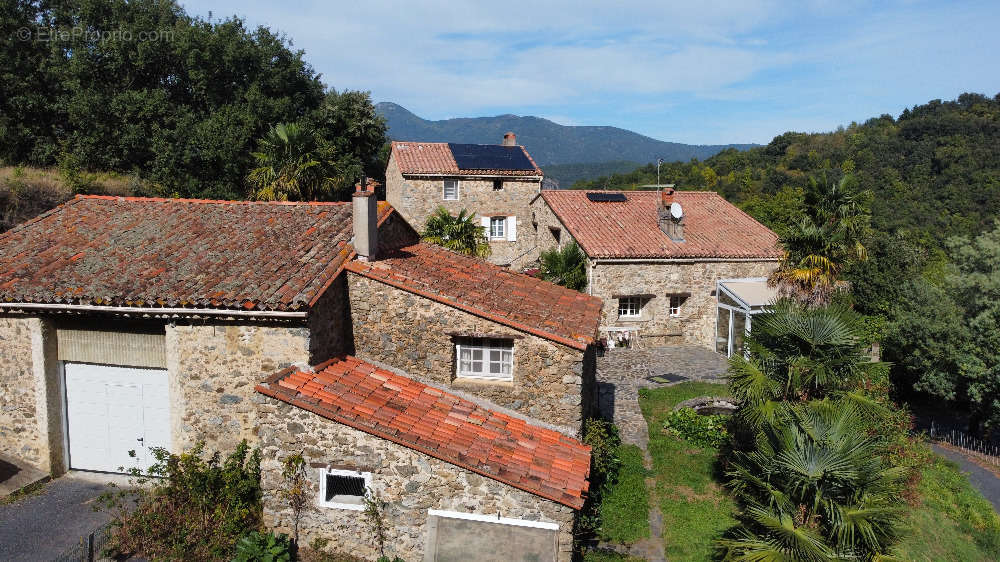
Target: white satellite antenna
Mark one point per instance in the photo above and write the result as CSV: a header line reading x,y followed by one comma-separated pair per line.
x,y
675,211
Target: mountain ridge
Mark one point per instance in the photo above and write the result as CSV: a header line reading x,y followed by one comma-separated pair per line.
x,y
549,143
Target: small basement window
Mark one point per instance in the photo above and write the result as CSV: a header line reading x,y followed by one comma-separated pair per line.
x,y
343,489
485,358
451,190
629,307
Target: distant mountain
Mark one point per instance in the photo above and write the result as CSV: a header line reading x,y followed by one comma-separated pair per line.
x,y
548,142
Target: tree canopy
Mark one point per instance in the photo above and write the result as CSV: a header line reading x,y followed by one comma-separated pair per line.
x,y
140,87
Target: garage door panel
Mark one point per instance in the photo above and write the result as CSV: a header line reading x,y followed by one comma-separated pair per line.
x,y
112,410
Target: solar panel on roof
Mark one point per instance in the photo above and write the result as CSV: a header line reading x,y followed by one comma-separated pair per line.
x,y
489,157
601,197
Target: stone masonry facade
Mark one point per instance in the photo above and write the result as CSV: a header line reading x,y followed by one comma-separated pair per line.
x,y
417,197
410,482
30,402
552,382
693,281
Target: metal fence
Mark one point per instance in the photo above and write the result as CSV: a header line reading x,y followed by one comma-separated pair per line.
x,y
90,548
987,451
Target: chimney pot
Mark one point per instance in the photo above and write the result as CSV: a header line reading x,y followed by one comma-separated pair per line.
x,y
667,196
365,218
509,139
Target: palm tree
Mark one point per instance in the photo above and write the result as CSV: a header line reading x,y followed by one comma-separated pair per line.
x,y
460,234
798,353
828,239
288,166
565,266
815,489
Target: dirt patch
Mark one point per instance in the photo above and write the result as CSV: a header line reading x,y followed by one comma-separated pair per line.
x,y
712,494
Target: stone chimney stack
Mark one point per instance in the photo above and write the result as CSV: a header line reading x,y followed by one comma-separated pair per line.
x,y
509,139
672,226
365,221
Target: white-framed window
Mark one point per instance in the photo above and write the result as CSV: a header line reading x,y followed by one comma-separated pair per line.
x,y
629,307
485,358
676,301
450,192
343,489
498,228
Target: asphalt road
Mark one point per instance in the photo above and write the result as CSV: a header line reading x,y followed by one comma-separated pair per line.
x,y
980,478
46,525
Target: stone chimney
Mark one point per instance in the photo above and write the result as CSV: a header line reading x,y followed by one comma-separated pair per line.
x,y
509,139
365,221
672,227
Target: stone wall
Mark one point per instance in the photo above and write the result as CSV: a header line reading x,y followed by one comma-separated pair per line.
x,y
411,483
213,368
417,199
31,406
415,334
695,280
329,323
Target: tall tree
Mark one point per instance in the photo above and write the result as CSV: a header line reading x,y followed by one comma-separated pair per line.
x,y
287,166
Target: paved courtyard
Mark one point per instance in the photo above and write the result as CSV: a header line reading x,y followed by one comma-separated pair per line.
x,y
622,372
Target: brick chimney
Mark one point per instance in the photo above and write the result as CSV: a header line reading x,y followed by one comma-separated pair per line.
x,y
365,221
672,227
509,139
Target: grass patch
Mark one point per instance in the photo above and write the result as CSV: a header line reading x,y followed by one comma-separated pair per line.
x,y
953,520
625,506
696,509
608,556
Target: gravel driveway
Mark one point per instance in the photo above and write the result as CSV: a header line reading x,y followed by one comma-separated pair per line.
x,y
43,526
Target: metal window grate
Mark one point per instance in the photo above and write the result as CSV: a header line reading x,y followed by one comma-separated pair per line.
x,y
338,486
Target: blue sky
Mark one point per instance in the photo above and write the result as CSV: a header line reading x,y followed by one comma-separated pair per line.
x,y
696,72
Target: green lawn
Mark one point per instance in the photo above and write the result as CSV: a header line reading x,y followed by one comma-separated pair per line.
x,y
696,510
953,522
625,508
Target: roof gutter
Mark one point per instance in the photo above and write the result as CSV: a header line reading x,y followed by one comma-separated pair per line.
x,y
598,261
150,310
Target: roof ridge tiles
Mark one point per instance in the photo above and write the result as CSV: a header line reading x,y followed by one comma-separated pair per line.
x,y
136,199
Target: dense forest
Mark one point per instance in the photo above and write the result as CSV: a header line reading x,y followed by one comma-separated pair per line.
x,y
931,182
142,89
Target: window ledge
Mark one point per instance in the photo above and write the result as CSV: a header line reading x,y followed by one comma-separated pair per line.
x,y
475,382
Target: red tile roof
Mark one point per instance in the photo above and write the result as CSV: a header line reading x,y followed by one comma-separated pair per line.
x,y
541,461
489,291
436,158
713,227
183,253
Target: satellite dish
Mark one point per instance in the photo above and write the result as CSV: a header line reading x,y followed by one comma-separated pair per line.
x,y
675,211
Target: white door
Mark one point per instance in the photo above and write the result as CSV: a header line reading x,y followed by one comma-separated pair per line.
x,y
113,410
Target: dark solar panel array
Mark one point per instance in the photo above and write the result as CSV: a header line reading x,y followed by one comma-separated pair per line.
x,y
600,197
489,157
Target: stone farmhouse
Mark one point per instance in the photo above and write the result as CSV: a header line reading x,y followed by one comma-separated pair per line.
x,y
494,182
452,388
655,272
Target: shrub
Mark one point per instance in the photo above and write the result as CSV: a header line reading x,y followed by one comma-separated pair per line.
x,y
188,506
604,441
703,431
264,547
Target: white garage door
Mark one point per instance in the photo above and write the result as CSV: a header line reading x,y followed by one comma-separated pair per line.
x,y
113,410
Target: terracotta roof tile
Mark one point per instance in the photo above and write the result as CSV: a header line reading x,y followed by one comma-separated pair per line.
x,y
436,158
713,227
523,455
490,291
183,253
